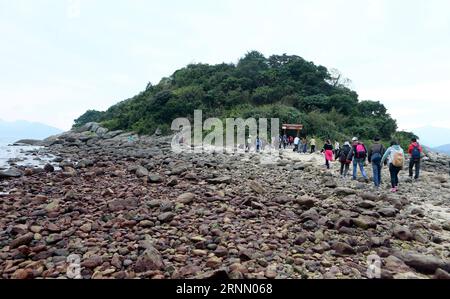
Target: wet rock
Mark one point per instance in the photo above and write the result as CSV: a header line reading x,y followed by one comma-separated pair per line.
x,y
49,168
11,173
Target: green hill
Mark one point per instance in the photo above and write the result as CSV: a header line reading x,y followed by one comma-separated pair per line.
x,y
283,86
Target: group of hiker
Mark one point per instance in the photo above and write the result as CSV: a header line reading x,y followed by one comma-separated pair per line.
x,y
357,153
300,144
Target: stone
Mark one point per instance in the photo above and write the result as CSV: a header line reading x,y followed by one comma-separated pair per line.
x,y
441,274
402,233
87,227
220,180
422,263
256,187
300,239
365,222
141,171
150,260
92,262
49,168
166,217
214,262
53,206
155,178
306,201
11,173
387,212
342,191
22,240
186,198
366,204
311,214
343,248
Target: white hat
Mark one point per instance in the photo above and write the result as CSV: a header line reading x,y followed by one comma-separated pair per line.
x,y
355,139
347,143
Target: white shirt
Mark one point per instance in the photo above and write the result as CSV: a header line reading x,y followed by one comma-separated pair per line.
x,y
296,140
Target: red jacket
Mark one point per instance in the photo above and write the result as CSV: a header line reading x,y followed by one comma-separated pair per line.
x,y
414,144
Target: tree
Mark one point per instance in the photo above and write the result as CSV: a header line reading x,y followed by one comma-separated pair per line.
x,y
336,79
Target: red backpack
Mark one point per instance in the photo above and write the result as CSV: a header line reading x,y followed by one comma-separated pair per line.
x,y
361,152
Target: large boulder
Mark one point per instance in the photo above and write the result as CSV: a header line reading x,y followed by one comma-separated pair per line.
x,y
10,173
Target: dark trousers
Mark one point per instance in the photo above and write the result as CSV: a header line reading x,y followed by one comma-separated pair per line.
x,y
344,169
313,149
415,163
327,163
394,174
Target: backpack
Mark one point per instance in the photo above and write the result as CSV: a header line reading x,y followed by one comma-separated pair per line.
x,y
377,156
398,160
344,154
416,153
360,151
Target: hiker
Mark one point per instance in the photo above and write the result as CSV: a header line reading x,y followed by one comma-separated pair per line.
x,y
328,150
395,159
305,145
376,153
358,155
312,142
258,144
249,142
285,141
343,154
291,140
415,151
337,148
296,144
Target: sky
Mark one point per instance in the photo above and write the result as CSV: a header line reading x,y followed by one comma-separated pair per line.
x,y
59,58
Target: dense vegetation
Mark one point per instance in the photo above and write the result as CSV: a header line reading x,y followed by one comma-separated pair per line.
x,y
286,87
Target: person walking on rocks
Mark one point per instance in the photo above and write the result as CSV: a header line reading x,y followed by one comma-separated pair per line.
x,y
305,145
258,144
395,159
285,141
342,155
376,153
358,155
337,148
249,142
296,144
312,142
328,150
415,151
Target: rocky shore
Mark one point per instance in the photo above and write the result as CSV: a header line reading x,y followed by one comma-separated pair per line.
x,y
130,207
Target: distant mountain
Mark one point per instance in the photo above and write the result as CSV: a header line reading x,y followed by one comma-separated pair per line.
x,y
13,131
445,149
433,136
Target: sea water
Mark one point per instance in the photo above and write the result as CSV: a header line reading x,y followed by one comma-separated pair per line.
x,y
28,156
